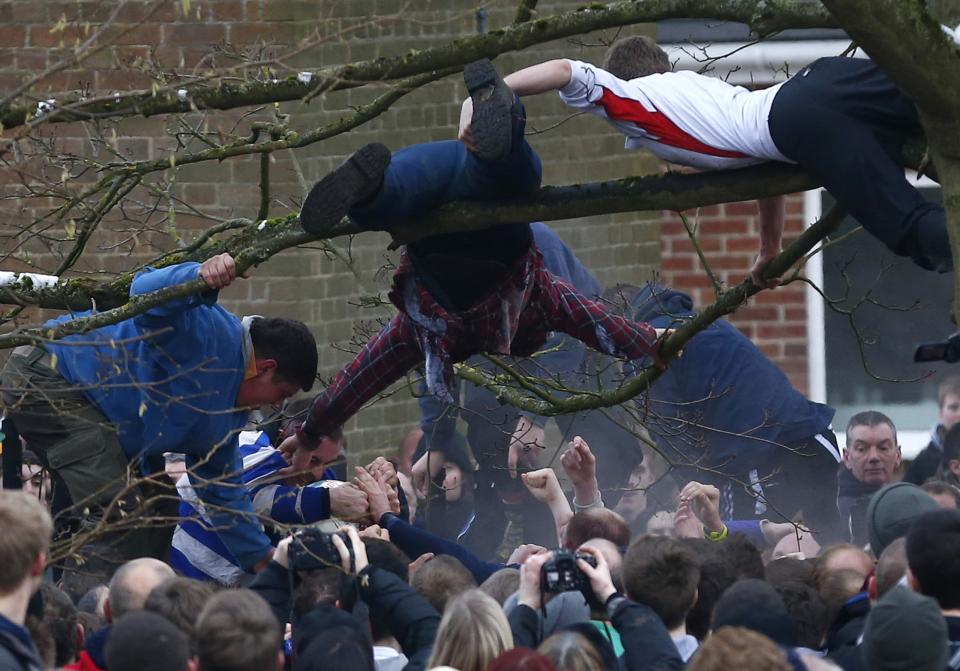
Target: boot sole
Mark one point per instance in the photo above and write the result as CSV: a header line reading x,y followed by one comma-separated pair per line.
x,y
491,126
331,198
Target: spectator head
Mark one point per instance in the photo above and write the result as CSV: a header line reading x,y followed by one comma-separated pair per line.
x,y
571,651
755,605
892,511
94,601
142,641
716,575
60,618
458,469
285,358
905,630
662,573
34,478
236,631
612,554
744,556
808,610
441,579
329,639
661,524
789,570
948,397
25,541
326,586
87,623
842,557
180,601
891,567
933,557
838,587
739,648
872,453
473,632
501,584
945,494
521,659
131,585
633,57
596,523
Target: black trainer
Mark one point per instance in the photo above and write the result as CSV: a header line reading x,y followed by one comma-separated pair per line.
x,y
353,181
493,106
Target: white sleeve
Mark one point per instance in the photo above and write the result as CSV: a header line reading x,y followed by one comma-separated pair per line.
x,y
582,90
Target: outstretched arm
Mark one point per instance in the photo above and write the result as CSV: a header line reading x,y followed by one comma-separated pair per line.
x,y
547,76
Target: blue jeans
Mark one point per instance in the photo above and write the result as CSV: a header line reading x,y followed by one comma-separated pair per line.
x,y
422,177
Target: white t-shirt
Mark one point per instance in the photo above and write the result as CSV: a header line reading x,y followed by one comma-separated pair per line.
x,y
682,117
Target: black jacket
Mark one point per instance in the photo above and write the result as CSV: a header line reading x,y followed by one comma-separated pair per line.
x,y
925,465
411,619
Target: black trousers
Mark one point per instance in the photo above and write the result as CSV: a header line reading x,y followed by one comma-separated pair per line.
x,y
844,121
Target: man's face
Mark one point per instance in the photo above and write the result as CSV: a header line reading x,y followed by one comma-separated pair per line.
x,y
872,454
310,464
452,481
265,388
950,411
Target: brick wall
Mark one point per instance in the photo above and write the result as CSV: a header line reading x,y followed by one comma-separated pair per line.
x,y
729,237
307,284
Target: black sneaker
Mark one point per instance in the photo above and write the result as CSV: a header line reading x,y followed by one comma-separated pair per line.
x,y
493,106
353,181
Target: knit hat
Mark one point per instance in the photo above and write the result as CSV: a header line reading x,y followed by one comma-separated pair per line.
x,y
755,605
891,512
905,631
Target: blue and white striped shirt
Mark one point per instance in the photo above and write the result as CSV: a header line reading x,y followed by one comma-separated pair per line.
x,y
198,552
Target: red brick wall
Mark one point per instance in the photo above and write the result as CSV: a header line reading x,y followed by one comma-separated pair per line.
x,y
729,237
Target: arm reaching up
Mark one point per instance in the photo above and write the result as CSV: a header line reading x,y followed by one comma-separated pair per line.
x,y
545,488
581,467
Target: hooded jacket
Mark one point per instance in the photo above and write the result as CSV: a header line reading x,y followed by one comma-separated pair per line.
x,y
191,350
16,648
722,394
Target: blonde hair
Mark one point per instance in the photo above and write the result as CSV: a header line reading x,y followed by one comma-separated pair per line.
x,y
570,651
739,648
27,529
472,633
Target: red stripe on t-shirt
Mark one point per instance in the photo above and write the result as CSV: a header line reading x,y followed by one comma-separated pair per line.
x,y
657,124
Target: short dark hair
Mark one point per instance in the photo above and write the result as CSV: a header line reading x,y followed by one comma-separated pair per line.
x,y
788,570
596,523
290,344
870,418
809,610
662,573
180,601
939,488
716,575
323,586
637,56
60,617
142,641
744,556
891,566
933,555
441,579
237,631
501,584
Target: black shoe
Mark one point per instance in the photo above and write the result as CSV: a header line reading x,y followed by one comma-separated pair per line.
x,y
493,107
353,181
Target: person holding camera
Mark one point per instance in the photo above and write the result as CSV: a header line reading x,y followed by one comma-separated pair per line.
x,y
646,641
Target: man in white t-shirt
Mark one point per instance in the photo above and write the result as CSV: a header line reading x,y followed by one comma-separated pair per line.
x,y
841,119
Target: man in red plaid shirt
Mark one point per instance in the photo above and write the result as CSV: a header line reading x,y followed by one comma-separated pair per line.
x,y
458,294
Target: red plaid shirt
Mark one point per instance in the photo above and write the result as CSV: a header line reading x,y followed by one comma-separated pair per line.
x,y
515,318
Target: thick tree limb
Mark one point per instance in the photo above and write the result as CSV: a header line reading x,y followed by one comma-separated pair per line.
x,y
764,16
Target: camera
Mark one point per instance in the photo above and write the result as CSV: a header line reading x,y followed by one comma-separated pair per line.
x,y
313,549
948,350
561,574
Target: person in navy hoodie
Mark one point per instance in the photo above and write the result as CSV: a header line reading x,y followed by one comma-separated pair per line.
x,y
24,544
181,377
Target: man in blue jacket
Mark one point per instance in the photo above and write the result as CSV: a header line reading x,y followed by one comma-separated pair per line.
x,y
182,377
725,414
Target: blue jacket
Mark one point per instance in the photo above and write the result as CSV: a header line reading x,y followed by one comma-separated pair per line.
x,y
723,399
167,380
562,354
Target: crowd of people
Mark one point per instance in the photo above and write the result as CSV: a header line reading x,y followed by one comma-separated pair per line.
x,y
189,531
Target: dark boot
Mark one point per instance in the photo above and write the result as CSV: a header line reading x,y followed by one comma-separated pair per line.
x,y
355,180
495,107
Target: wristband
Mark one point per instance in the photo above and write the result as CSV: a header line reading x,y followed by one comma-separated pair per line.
x,y
717,536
